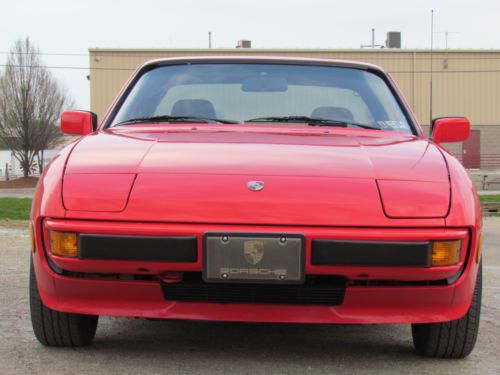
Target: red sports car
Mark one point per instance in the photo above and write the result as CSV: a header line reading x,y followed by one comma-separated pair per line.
x,y
258,190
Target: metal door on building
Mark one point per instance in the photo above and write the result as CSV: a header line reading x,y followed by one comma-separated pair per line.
x,y
471,151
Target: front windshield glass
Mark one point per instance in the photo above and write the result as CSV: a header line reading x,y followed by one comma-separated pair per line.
x,y
241,92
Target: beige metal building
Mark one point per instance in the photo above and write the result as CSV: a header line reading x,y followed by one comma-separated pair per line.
x,y
465,83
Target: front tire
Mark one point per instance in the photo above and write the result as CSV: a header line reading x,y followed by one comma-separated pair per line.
x,y
454,339
54,328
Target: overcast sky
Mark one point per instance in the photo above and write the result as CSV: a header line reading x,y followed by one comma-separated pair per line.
x,y
72,26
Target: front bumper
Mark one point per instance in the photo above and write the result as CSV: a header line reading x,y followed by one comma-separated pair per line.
x,y
401,299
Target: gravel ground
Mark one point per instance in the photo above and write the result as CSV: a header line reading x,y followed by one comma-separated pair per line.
x,y
133,346
17,193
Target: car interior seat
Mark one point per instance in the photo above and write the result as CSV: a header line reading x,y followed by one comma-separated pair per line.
x,y
193,107
333,113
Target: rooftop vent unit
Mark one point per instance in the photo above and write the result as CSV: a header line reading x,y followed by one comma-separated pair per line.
x,y
244,44
393,39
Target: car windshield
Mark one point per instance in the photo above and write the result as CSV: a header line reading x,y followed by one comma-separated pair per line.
x,y
260,93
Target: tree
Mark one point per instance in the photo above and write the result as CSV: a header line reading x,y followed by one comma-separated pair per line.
x,y
31,102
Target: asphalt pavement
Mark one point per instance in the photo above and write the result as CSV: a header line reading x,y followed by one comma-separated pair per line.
x,y
137,346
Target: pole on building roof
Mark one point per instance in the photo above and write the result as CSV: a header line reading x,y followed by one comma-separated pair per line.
x,y
372,45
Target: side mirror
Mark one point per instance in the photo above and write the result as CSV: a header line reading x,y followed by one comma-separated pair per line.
x,y
450,129
78,122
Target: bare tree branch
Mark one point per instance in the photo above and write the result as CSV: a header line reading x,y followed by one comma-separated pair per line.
x,y
31,102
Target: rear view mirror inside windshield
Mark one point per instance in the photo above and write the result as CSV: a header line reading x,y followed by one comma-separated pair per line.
x,y
264,83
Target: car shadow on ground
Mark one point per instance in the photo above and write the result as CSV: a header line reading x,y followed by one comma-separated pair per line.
x,y
254,341
133,346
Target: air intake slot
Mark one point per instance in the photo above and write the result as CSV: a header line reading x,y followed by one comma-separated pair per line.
x,y
328,291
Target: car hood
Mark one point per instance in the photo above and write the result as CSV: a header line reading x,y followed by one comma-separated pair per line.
x,y
200,174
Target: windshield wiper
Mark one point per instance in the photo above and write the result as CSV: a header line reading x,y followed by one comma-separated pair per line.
x,y
165,118
312,121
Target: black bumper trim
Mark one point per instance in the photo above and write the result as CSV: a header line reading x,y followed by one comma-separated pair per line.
x,y
142,248
366,253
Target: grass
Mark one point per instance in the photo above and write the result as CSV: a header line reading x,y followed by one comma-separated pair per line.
x,y
489,198
15,208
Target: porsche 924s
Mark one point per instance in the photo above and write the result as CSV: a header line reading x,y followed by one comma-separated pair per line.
x,y
258,190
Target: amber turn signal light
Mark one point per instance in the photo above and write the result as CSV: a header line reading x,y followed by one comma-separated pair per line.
x,y
446,253
64,244
479,248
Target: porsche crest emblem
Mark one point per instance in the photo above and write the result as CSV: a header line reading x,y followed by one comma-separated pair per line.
x,y
255,185
253,251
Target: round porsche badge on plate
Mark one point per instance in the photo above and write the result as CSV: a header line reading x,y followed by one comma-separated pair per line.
x,y
253,251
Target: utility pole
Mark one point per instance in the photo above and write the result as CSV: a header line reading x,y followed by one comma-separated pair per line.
x,y
209,39
432,46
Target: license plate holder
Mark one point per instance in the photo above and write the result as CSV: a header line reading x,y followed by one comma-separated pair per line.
x,y
254,258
